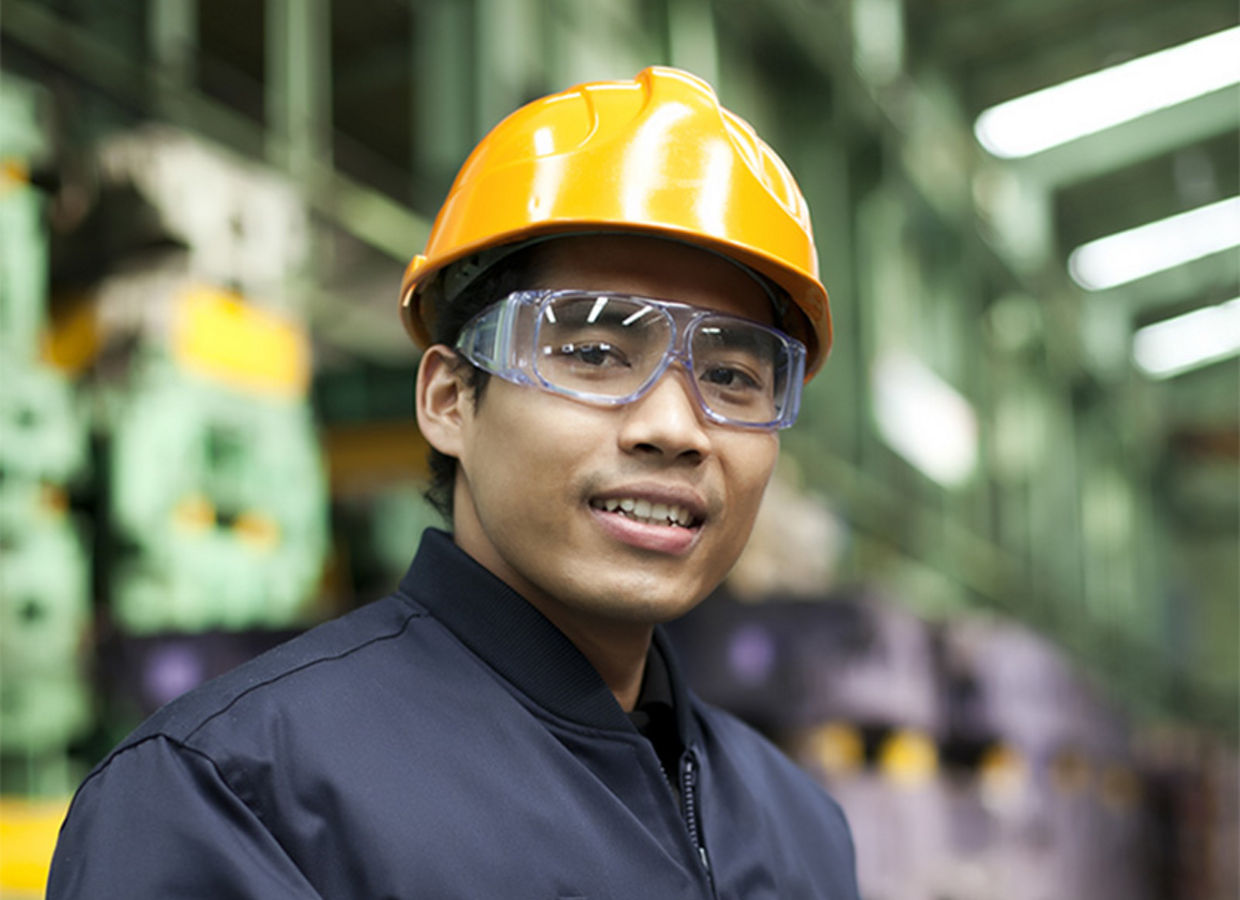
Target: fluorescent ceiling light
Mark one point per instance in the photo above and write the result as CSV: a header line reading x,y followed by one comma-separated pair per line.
x,y
924,419
1146,249
1189,341
1065,112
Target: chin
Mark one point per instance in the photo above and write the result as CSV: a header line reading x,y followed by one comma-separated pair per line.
x,y
641,603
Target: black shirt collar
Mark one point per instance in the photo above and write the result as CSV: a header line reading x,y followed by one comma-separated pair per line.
x,y
654,716
513,637
655,698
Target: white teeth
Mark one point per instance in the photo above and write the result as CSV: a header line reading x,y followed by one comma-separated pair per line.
x,y
650,513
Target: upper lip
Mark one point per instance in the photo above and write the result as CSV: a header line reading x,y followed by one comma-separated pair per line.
x,y
670,495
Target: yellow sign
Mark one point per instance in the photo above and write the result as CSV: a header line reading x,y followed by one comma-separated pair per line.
x,y
908,757
218,335
837,747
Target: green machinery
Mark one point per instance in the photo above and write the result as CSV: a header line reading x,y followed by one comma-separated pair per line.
x,y
222,497
45,609
206,507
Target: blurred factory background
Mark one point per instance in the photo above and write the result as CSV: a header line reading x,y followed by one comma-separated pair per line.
x,y
992,599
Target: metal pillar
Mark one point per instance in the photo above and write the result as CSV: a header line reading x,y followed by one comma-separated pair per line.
x,y
442,77
299,86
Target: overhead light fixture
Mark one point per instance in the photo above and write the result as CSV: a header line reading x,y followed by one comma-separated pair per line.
x,y
1128,255
924,419
1190,341
1103,99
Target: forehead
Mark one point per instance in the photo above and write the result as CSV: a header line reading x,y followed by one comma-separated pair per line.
x,y
650,267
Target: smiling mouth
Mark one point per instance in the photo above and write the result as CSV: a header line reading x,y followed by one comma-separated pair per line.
x,y
667,514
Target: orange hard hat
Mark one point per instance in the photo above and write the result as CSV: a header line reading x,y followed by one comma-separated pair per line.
x,y
656,155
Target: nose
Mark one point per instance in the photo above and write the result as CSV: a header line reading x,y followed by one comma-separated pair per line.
x,y
666,421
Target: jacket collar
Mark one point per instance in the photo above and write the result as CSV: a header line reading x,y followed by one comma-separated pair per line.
x,y
515,639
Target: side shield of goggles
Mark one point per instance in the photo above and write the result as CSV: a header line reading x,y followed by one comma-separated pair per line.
x,y
610,349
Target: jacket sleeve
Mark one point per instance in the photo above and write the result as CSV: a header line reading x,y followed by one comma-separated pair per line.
x,y
157,820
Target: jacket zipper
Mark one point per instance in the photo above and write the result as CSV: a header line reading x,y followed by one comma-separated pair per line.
x,y
688,793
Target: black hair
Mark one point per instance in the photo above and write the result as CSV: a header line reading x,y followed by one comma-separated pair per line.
x,y
515,272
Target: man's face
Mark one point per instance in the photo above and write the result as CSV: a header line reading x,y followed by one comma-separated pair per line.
x,y
539,475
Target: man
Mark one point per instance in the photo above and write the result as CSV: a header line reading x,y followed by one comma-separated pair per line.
x,y
619,304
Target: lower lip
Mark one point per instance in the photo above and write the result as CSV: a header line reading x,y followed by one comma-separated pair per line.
x,y
670,539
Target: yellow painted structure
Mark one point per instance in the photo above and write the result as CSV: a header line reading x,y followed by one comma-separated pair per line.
x,y
28,830
218,335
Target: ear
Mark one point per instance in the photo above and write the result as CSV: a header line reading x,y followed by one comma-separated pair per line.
x,y
443,401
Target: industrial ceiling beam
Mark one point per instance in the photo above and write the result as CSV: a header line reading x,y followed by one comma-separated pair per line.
x,y
374,218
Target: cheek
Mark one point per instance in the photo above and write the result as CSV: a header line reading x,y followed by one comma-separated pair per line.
x,y
750,462
521,447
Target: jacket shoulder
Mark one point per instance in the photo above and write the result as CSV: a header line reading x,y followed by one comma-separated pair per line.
x,y
334,642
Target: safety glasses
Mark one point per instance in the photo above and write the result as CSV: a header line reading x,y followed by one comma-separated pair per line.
x,y
610,349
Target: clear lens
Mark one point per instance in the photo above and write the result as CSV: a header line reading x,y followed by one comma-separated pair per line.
x,y
613,347
741,370
601,345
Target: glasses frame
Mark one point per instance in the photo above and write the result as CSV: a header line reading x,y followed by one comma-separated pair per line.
x,y
489,341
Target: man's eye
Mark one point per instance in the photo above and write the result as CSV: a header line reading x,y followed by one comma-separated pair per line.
x,y
598,353
729,377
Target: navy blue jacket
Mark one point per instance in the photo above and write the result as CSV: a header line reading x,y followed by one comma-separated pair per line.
x,y
445,742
